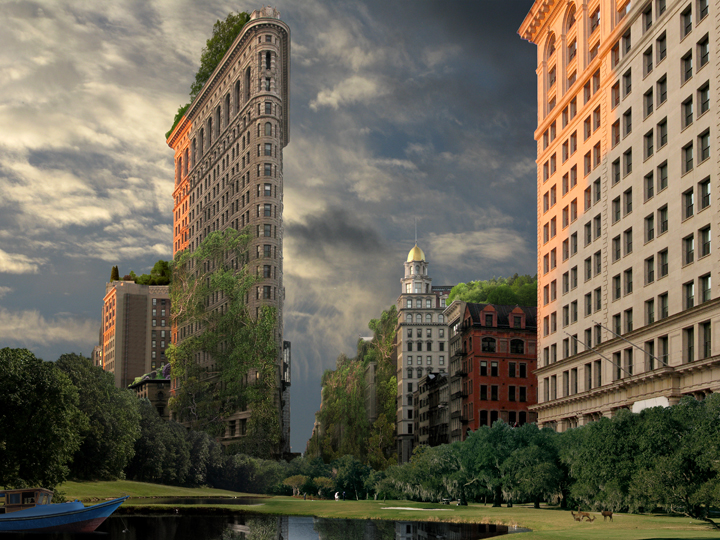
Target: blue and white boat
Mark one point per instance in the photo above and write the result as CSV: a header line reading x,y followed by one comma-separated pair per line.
x,y
29,510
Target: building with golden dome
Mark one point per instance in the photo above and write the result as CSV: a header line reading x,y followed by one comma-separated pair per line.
x,y
421,341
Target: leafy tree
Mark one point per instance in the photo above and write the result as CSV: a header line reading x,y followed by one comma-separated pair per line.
x,y
296,482
150,448
243,349
516,290
40,423
108,437
223,36
114,274
350,477
224,33
324,486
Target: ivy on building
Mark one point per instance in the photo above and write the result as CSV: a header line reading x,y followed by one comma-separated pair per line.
x,y
516,290
345,426
229,363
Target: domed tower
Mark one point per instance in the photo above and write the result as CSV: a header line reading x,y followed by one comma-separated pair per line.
x,y
421,346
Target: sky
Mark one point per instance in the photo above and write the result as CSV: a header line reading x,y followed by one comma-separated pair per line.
x,y
401,112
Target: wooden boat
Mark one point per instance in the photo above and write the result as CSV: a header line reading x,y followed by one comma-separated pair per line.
x,y
29,510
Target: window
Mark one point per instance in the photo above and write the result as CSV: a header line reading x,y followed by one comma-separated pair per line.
x,y
268,129
616,253
588,234
573,244
662,176
598,302
595,20
663,263
687,112
704,146
689,295
662,90
628,280
687,68
649,270
649,183
572,50
705,340
573,143
627,83
267,169
597,226
629,324
664,306
648,144
626,40
705,241
615,55
688,244
627,241
627,162
588,268
650,227
688,199
705,289
615,133
703,51
267,190
660,7
704,193
687,154
662,133
686,22
704,99
702,9
647,19
617,290
597,262
268,149
587,128
661,47
615,95
627,122
615,171
650,311
648,61
573,277
648,102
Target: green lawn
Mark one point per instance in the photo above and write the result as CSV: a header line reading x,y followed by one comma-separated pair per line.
x,y
546,523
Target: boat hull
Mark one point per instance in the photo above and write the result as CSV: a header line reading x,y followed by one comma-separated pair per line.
x,y
59,518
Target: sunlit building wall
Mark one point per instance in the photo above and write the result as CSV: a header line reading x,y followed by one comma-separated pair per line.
x,y
627,187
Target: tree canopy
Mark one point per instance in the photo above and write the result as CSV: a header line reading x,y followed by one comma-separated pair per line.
x,y
516,290
223,35
41,425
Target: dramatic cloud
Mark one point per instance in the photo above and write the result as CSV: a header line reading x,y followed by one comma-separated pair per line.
x,y
400,112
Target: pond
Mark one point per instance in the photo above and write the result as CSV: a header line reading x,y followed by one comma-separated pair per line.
x,y
261,527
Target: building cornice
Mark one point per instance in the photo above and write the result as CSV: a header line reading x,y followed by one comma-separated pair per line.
x,y
535,19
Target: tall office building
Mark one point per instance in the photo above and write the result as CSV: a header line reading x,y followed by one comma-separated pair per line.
x,y
229,173
135,330
627,112
421,341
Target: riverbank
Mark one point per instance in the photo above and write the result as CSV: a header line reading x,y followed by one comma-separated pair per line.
x,y
546,523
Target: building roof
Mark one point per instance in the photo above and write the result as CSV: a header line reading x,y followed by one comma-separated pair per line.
x,y
503,314
416,254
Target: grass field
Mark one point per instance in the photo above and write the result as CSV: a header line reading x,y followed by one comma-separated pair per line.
x,y
546,523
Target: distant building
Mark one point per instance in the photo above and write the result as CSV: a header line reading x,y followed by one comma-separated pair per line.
x,y
156,391
96,355
135,329
421,342
431,402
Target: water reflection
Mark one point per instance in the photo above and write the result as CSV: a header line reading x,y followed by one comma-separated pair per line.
x,y
255,527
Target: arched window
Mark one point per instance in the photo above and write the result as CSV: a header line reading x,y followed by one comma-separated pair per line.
x,y
441,318
488,344
570,20
418,304
419,373
517,346
409,317
410,372
428,318
550,47
410,346
418,318
268,59
268,129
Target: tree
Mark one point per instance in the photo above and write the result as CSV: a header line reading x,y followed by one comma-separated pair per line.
x,y
109,435
223,35
243,348
296,482
40,424
516,290
114,274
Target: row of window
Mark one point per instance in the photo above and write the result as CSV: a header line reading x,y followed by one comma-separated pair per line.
x,y
492,393
428,346
428,371
428,332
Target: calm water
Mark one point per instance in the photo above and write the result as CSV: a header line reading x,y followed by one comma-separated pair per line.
x,y
249,527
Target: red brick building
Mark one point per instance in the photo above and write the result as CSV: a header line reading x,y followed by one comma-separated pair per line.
x,y
497,349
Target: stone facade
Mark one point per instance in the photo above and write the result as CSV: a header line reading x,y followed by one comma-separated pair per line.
x,y
229,173
627,182
135,330
421,341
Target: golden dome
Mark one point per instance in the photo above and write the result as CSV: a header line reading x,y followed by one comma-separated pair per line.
x,y
416,254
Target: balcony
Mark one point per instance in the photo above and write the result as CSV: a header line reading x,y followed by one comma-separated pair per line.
x,y
459,394
460,372
455,414
464,419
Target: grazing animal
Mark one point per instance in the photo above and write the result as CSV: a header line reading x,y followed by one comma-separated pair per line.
x,y
607,514
583,514
591,519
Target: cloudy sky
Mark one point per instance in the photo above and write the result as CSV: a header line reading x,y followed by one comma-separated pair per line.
x,y
400,111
